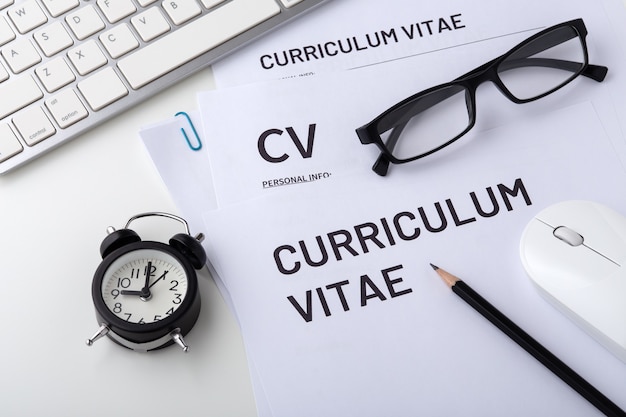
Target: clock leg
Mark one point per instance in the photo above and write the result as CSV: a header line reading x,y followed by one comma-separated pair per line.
x,y
178,338
102,331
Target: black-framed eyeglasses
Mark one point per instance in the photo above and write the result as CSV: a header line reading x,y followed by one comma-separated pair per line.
x,y
434,118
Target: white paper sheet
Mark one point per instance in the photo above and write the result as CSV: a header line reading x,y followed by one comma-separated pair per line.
x,y
409,346
494,29
185,172
345,34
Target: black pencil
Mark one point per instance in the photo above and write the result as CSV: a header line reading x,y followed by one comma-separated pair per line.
x,y
531,346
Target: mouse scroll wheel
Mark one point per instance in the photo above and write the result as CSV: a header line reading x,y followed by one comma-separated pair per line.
x,y
568,236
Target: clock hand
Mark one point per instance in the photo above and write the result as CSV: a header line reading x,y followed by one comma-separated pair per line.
x,y
144,293
146,286
159,279
131,292
145,296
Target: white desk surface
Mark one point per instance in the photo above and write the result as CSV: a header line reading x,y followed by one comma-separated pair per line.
x,y
53,215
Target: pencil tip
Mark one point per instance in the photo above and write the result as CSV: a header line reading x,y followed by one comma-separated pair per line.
x,y
447,277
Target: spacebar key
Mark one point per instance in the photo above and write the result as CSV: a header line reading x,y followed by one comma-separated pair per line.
x,y
194,39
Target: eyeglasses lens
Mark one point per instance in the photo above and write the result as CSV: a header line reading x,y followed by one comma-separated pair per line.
x,y
438,116
426,123
543,65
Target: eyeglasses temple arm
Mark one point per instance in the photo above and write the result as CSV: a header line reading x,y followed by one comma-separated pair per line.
x,y
595,72
381,166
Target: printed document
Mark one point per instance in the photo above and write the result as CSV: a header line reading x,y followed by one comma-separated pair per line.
x,y
346,34
342,314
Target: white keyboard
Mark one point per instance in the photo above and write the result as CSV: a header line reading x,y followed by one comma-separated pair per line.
x,y
68,65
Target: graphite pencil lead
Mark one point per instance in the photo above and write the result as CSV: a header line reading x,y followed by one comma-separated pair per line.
x,y
447,277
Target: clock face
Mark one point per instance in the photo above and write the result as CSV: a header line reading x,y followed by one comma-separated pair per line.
x,y
144,286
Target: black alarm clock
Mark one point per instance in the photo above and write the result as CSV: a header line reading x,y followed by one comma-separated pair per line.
x,y
145,293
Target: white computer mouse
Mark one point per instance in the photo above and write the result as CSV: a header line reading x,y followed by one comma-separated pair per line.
x,y
575,253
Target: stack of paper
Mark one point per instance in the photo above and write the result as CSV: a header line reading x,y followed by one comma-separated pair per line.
x,y
326,264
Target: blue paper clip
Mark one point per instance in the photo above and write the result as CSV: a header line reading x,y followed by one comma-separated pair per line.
x,y
192,147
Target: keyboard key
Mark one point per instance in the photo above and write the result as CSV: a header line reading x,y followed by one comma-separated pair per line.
x,y
87,57
4,74
181,11
150,24
33,125
27,15
85,22
6,33
289,3
66,108
55,74
21,55
17,94
58,7
53,38
211,3
102,89
119,40
9,145
144,3
5,3
116,10
213,29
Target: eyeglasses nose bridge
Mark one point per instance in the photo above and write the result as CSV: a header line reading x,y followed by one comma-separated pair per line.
x,y
487,73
